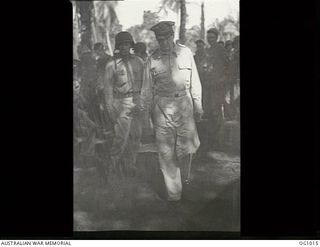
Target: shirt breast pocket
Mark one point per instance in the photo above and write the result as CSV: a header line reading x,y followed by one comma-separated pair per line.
x,y
121,83
185,71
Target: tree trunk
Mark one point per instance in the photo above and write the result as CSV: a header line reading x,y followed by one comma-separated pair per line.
x,y
76,40
85,9
93,26
183,20
109,43
202,32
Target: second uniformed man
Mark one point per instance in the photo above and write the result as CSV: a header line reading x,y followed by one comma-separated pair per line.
x,y
217,65
172,92
123,80
201,61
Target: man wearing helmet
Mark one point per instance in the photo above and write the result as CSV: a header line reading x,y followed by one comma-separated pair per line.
x,y
122,86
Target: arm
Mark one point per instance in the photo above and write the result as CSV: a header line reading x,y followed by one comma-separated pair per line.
x,y
195,87
109,80
146,89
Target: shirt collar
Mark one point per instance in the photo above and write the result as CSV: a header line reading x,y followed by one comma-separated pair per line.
x,y
174,51
121,59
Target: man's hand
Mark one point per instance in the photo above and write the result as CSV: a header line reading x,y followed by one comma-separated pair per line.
x,y
198,116
111,113
135,111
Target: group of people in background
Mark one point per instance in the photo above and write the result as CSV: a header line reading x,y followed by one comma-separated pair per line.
x,y
168,95
218,67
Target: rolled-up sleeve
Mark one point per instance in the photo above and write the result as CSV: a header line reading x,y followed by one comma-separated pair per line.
x,y
195,86
147,88
108,85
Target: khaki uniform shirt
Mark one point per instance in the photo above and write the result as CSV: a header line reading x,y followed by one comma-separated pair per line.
x,y
169,73
123,77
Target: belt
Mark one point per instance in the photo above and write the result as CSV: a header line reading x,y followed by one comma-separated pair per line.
x,y
118,95
172,94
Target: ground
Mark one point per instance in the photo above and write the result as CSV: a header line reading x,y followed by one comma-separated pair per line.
x,y
138,203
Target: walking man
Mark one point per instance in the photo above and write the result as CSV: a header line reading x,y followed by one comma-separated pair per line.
x,y
171,91
123,80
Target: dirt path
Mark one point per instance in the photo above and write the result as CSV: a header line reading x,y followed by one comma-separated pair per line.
x,y
139,203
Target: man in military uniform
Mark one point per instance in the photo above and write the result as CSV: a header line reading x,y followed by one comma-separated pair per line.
x,y
87,73
217,60
229,49
221,43
101,58
123,80
101,61
140,49
234,79
200,56
172,92
201,60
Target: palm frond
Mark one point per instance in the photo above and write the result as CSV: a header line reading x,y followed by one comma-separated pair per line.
x,y
173,5
106,14
112,15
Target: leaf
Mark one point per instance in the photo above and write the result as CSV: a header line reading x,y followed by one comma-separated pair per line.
x,y
173,5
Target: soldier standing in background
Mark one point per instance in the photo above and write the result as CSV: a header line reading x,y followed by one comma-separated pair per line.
x,y
234,78
217,60
140,49
101,58
172,92
200,55
229,48
122,86
101,61
87,73
201,61
221,43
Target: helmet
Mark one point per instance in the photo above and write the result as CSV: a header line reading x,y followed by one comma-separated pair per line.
x,y
123,37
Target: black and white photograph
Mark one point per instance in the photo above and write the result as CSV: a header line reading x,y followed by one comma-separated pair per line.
x,y
156,115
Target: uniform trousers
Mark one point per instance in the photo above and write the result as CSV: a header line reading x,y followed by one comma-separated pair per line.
x,y
176,137
128,129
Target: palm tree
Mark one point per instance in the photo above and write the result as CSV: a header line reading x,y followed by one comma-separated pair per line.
x,y
202,33
178,6
76,39
105,18
183,21
85,11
